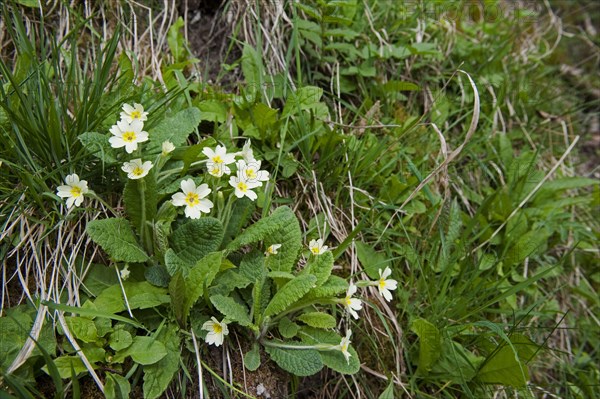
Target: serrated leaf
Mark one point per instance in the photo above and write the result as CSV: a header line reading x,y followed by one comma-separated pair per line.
x,y
157,275
175,129
82,328
174,264
430,344
240,215
117,239
120,339
158,376
253,267
135,190
177,290
196,239
213,111
281,275
231,309
143,350
252,358
201,275
228,281
332,287
300,362
98,145
290,293
320,267
287,328
318,319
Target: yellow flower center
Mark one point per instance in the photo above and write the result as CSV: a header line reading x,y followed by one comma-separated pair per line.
x,y
250,173
138,171
217,159
348,301
217,328
75,192
243,187
381,284
136,115
192,199
315,250
344,347
216,171
129,137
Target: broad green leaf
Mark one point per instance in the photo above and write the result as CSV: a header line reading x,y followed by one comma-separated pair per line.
x,y
264,117
252,67
318,319
529,244
320,267
174,264
300,362
120,339
177,290
159,375
281,275
304,98
504,367
140,295
430,344
93,353
252,358
98,278
82,328
334,359
143,350
116,387
333,286
287,328
115,237
371,260
213,111
388,393
229,280
196,239
140,200
253,266
240,215
201,275
97,144
103,324
231,309
66,365
157,275
176,41
455,364
290,293
175,129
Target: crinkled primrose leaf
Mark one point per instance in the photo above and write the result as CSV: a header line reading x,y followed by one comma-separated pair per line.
x,y
290,293
117,239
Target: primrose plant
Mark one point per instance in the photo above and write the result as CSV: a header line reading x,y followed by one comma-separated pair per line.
x,y
189,263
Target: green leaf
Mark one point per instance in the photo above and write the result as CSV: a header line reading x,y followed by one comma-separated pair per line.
x,y
197,238
371,260
231,309
143,350
213,111
157,275
135,190
177,290
175,129
176,40
98,278
159,375
228,281
318,319
252,67
504,367
287,328
201,275
174,264
252,358
140,295
320,266
98,145
115,237
430,344
455,364
290,293
66,365
529,244
264,117
240,215
304,98
120,339
300,362
334,359
116,387
388,393
82,328
253,267
332,287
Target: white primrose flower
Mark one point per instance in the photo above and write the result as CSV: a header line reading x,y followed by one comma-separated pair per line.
x,y
316,247
216,331
193,198
386,285
218,159
125,273
128,135
167,148
134,113
272,250
247,152
251,171
243,187
344,345
352,304
136,169
74,190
